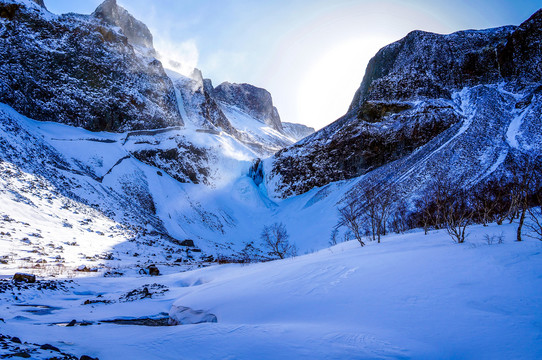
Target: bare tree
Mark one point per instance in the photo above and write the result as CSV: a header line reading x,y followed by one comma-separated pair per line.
x,y
446,204
535,224
333,236
275,239
370,208
535,211
526,174
399,218
379,200
350,217
487,199
457,213
432,203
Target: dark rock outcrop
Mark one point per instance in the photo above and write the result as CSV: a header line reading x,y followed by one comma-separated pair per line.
x,y
153,270
417,91
40,3
27,278
80,71
49,347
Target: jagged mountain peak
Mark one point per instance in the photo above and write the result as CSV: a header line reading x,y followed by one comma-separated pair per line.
x,y
136,31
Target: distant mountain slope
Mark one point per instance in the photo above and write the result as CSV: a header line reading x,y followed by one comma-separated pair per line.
x,y
251,117
297,131
120,197
422,100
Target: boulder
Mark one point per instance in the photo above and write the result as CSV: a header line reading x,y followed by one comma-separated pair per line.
x,y
153,270
22,277
86,357
188,242
49,347
182,315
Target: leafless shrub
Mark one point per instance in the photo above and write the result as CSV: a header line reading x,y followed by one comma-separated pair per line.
x,y
368,211
494,239
275,240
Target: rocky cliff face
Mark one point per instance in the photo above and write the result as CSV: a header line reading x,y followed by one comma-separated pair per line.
x,y
414,92
79,70
136,32
255,101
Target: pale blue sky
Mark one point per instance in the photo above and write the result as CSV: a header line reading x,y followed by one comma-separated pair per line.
x,y
310,54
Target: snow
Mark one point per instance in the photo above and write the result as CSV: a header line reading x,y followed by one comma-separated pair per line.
x,y
257,129
412,296
513,129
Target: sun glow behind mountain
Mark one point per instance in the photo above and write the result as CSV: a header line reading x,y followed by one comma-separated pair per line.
x,y
326,89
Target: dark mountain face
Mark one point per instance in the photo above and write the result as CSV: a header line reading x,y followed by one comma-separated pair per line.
x,y
78,70
411,95
520,58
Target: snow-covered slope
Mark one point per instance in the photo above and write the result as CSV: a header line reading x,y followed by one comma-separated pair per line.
x,y
131,190
410,297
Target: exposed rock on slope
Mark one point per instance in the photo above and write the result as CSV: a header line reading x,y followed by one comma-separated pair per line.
x,y
99,72
419,92
80,71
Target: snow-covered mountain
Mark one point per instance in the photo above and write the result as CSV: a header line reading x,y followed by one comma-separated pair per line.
x,y
194,176
110,163
297,131
172,165
101,72
458,104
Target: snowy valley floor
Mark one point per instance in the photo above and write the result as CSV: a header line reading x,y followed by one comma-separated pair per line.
x,y
412,296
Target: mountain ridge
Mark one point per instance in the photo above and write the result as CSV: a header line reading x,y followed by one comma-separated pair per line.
x,y
406,100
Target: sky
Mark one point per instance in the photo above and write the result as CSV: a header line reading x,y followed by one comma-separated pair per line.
x,y
310,54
